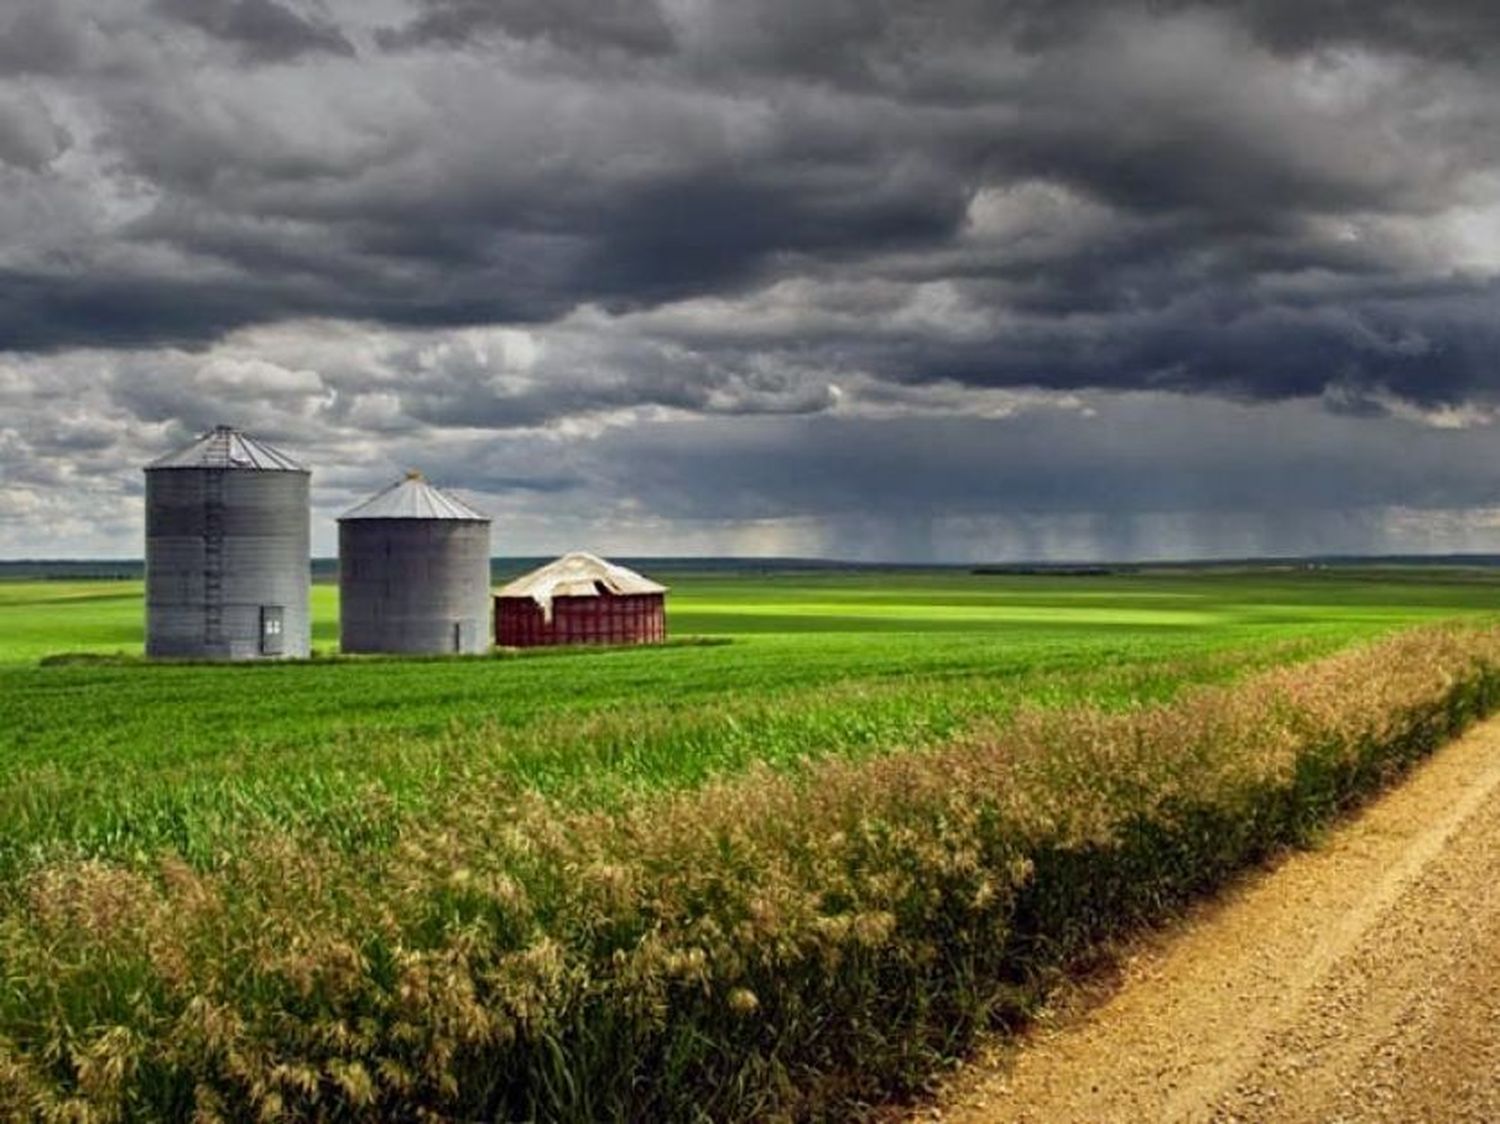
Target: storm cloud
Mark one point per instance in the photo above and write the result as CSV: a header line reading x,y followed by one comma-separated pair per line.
x,y
785,264
264,30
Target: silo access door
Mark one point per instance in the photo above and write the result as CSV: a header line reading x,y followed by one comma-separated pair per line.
x,y
463,636
271,625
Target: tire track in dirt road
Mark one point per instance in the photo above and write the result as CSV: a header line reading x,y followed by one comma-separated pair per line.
x,y
1359,981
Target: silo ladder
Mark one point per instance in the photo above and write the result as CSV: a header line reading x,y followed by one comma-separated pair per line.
x,y
213,558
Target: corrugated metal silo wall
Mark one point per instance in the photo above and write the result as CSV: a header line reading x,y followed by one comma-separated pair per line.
x,y
223,548
629,619
638,618
519,623
414,585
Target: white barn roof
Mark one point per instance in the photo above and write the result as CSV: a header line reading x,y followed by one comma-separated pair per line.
x,y
578,574
413,498
226,447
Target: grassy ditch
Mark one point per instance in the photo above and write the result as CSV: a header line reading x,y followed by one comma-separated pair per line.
x,y
794,943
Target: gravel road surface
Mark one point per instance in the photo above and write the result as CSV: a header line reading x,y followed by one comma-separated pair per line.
x,y
1356,982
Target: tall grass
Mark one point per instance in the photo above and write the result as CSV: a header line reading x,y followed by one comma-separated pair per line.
x,y
780,942
150,758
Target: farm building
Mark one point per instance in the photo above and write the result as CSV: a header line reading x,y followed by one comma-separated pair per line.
x,y
580,599
227,572
414,572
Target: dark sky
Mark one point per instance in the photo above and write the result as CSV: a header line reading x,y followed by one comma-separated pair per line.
x,y
977,279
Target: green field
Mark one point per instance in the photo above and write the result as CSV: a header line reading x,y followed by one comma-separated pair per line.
x,y
612,845
116,759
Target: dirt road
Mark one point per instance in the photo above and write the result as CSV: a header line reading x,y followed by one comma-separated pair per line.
x,y
1360,981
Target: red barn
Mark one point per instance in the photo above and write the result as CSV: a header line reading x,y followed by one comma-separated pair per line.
x,y
580,599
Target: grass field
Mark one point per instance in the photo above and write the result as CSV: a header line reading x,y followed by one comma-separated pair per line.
x,y
120,758
351,763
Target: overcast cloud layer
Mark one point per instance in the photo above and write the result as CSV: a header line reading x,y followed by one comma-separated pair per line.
x,y
955,280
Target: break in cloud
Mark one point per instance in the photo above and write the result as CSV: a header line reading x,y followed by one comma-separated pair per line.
x,y
962,279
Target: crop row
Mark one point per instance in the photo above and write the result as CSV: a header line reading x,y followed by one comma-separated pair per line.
x,y
791,943
109,761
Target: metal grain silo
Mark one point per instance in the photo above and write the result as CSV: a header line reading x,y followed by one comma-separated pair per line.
x,y
227,568
580,599
414,572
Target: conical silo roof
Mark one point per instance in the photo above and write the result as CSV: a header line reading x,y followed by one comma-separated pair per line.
x,y
578,574
226,447
413,498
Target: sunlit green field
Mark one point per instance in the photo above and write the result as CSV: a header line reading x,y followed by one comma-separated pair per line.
x,y
786,865
116,758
